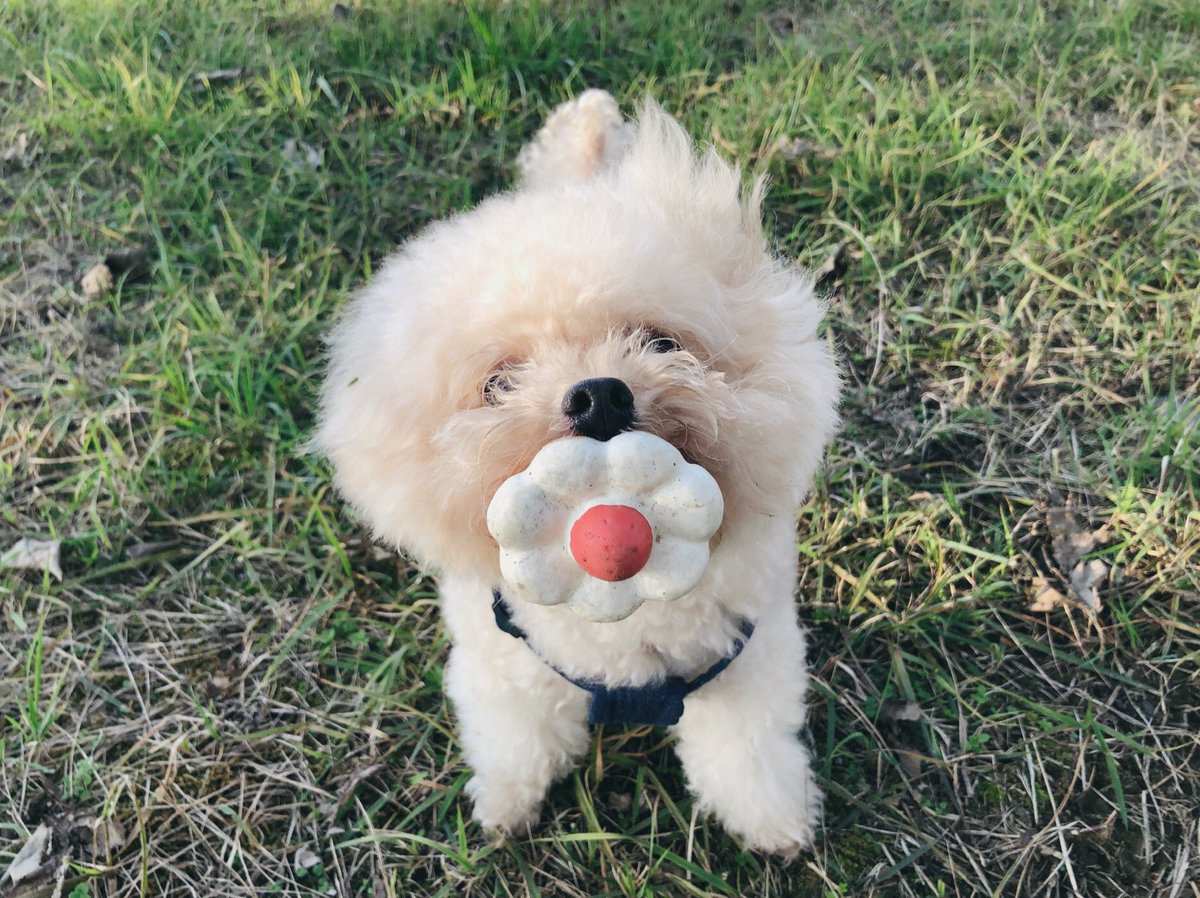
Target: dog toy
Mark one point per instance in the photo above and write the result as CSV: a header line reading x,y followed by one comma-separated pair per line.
x,y
605,526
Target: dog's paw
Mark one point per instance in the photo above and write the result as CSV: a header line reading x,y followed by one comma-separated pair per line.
x,y
509,807
785,835
761,789
776,812
780,825
581,138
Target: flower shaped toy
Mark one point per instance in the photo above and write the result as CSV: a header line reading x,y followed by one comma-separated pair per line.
x,y
604,526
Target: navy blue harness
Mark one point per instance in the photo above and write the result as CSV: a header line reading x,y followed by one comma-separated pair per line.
x,y
659,703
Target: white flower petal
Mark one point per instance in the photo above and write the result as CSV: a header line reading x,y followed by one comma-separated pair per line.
x,y
639,461
602,601
674,569
689,506
521,516
569,469
545,576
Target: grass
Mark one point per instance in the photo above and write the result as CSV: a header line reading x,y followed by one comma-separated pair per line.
x,y
229,672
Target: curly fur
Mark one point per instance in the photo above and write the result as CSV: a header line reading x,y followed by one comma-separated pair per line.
x,y
446,377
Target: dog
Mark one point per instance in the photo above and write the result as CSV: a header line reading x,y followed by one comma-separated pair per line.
x,y
623,255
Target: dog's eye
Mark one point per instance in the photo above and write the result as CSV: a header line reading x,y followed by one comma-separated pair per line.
x,y
498,382
657,341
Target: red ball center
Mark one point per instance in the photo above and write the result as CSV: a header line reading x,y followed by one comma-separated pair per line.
x,y
611,542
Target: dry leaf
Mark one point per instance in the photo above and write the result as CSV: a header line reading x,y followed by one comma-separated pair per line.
x,y
1070,543
620,802
217,685
33,861
108,837
16,150
796,147
132,262
97,281
1084,579
1045,596
306,859
303,155
902,724
34,555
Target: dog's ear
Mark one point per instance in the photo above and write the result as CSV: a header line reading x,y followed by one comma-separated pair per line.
x,y
580,139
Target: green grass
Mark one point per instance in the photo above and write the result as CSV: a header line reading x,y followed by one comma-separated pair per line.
x,y
231,672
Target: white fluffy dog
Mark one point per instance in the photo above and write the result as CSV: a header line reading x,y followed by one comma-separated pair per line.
x,y
621,255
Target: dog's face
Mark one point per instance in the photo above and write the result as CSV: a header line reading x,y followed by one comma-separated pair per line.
x,y
644,297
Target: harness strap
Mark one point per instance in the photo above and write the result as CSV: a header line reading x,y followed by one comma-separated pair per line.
x,y
659,703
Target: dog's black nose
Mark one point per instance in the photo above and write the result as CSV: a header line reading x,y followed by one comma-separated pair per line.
x,y
600,408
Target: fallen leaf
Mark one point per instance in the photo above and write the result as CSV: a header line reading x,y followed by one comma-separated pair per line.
x,y
303,155
1085,577
1045,596
108,837
217,685
791,149
1069,542
34,555
904,730
97,281
16,150
33,861
306,859
620,802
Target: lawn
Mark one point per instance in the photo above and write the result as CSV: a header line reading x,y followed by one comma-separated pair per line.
x,y
232,691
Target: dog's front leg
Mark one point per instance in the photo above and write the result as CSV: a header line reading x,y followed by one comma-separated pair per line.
x,y
739,746
521,724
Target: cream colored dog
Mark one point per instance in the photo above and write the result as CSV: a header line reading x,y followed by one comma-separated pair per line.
x,y
622,256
